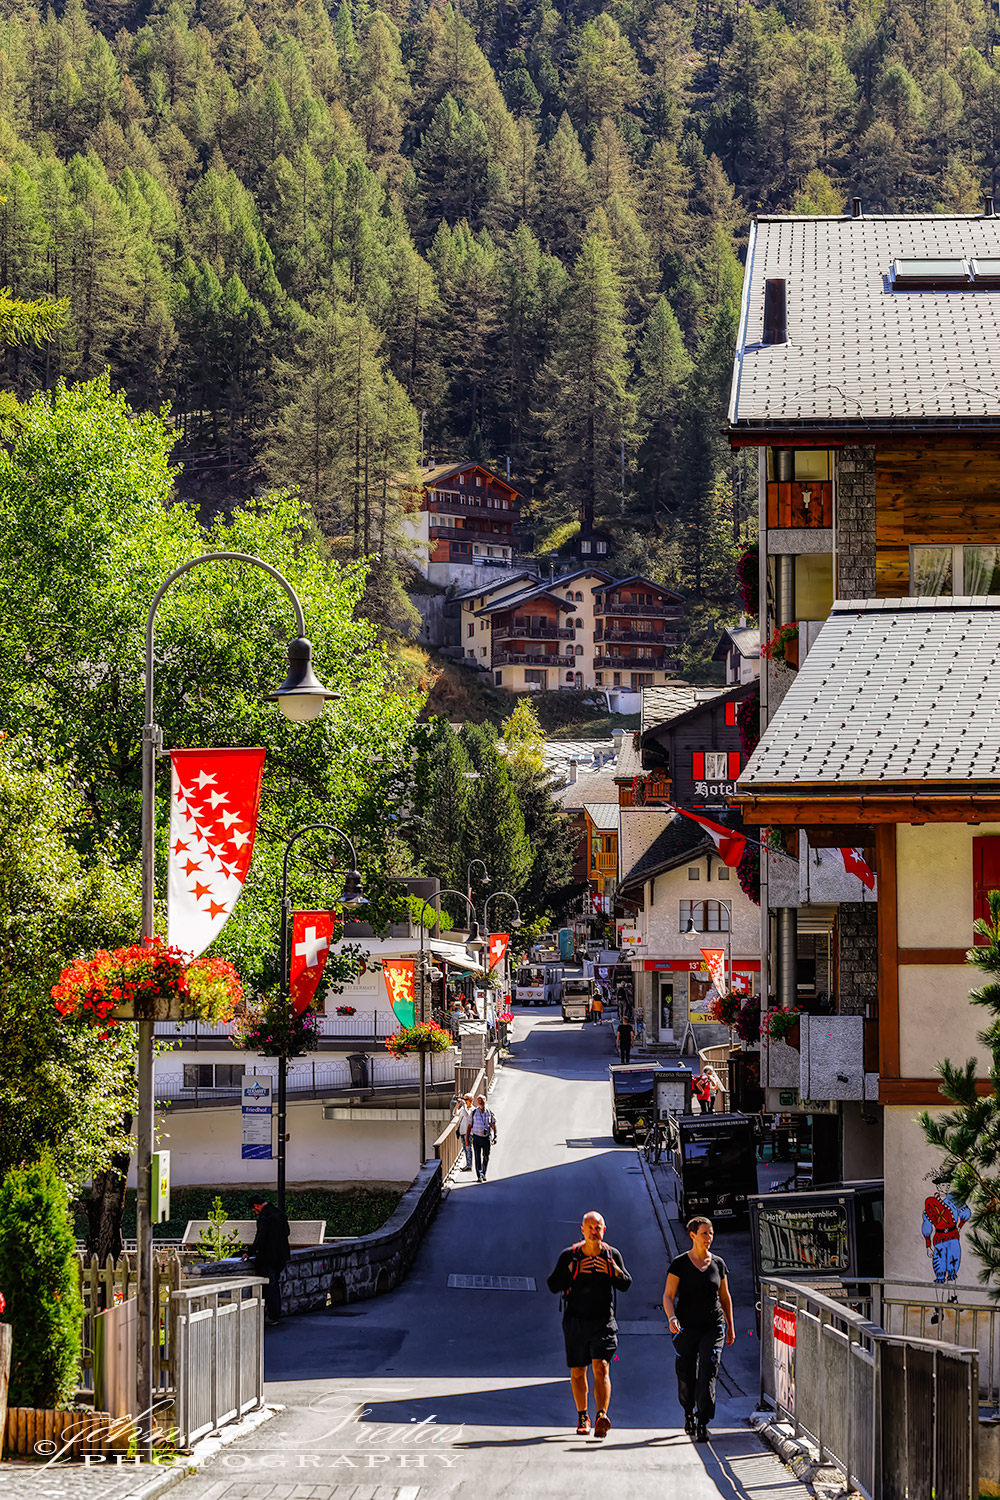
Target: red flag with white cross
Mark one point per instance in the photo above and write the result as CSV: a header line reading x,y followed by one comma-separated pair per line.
x,y
498,947
856,864
312,935
214,798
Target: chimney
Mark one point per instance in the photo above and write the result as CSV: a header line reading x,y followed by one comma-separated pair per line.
x,y
988,210
572,772
775,312
856,209
618,735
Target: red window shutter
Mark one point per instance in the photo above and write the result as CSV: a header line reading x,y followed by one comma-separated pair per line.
x,y
731,713
698,765
985,872
734,764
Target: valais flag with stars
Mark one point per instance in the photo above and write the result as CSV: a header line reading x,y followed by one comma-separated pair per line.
x,y
312,934
214,797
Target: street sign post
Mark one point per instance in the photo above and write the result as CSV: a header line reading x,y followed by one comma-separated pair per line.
x,y
255,1094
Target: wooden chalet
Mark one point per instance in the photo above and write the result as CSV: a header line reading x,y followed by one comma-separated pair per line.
x,y
463,520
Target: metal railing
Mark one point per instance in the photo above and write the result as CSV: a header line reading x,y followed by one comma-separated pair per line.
x,y
946,1314
220,1354
363,1026
640,637
897,1415
313,1079
623,610
532,659
530,632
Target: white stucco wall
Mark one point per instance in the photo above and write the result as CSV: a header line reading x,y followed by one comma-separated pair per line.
x,y
934,883
909,1165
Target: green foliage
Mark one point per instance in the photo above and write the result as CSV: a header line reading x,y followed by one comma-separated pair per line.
x,y
523,740
360,1211
968,1135
40,1280
215,1242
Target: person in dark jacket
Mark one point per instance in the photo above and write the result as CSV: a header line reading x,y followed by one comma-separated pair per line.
x,y
587,1275
269,1252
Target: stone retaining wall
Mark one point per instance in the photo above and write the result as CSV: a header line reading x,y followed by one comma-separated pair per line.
x,y
352,1269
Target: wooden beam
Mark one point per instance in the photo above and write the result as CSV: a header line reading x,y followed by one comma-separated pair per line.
x,y
932,956
888,944
803,810
915,1091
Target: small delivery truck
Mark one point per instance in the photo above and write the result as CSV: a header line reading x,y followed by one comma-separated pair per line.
x,y
577,997
715,1159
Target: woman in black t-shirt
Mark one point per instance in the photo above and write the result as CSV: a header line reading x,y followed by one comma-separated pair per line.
x,y
699,1310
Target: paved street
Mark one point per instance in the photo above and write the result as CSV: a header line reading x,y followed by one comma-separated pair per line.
x,y
440,1391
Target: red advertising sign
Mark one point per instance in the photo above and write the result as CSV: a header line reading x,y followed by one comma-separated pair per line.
x,y
784,1359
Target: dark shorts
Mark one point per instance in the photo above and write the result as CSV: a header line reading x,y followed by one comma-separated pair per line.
x,y
586,1341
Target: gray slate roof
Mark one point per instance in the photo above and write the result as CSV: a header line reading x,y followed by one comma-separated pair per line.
x,y
603,815
589,786
661,704
857,352
898,692
678,842
745,638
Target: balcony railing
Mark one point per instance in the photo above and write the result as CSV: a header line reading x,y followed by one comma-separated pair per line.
x,y
481,533
533,632
533,659
461,506
309,1078
365,1027
658,662
626,611
640,637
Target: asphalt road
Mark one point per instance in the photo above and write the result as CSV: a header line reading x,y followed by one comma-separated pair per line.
x,y
435,1391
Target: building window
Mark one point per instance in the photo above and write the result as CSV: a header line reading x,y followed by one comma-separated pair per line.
x,y
578,651
472,629
585,548
723,872
498,678
212,1075
716,765
579,598
967,570
479,481
532,676
616,679
707,916
482,650
599,679
569,677
601,547
579,624
694,873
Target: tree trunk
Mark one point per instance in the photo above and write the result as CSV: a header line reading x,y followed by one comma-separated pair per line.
x,y
105,1205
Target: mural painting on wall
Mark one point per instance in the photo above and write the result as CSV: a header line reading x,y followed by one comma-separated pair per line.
x,y
941,1228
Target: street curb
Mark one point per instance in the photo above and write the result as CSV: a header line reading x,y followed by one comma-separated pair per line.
x,y
669,1238
188,1463
822,1480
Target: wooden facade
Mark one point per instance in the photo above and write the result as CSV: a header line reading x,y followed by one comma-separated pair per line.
x,y
945,492
698,755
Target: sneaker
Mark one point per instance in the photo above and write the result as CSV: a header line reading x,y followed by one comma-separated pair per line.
x,y
690,1423
583,1425
603,1425
465,1169
701,1436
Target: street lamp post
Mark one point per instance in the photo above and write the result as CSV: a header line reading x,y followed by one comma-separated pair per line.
x,y
301,697
473,941
691,935
352,895
516,923
485,877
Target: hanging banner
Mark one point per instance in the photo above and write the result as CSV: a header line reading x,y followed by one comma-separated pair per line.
x,y
784,1359
856,864
498,947
715,960
400,984
255,1095
214,797
312,934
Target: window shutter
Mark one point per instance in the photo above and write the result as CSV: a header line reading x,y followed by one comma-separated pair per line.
x,y
985,872
731,713
734,764
698,765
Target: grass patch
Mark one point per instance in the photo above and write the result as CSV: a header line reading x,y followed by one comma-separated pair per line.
x,y
360,1211
571,716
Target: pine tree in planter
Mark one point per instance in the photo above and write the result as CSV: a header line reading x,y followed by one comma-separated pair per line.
x,y
216,1242
41,1282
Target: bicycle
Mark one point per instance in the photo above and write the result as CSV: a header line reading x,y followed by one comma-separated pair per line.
x,y
656,1139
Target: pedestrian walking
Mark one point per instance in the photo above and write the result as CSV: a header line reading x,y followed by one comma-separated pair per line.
x,y
482,1133
463,1113
699,1312
597,1007
640,1028
588,1276
624,1038
704,1092
269,1252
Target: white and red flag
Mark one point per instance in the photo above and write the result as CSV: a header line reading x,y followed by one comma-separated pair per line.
x,y
856,864
715,963
214,797
729,843
498,947
312,934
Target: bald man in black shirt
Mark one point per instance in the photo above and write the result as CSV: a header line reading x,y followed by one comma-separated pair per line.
x,y
588,1275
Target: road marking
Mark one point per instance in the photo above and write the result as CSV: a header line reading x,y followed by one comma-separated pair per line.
x,y
493,1283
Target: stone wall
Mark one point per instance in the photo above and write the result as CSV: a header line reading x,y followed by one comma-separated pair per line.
x,y
858,958
855,523
350,1270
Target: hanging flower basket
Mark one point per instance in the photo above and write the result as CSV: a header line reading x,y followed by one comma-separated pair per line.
x,y
147,982
272,1030
784,645
748,1021
784,1026
426,1036
346,1010
725,1009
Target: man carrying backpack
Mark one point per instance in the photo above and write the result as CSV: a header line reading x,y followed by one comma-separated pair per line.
x,y
587,1276
482,1132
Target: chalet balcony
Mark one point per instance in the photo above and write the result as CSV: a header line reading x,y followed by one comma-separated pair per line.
x,y
481,533
533,632
639,637
659,661
460,506
625,611
532,659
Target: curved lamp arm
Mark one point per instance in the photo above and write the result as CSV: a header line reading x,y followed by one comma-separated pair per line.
x,y
492,897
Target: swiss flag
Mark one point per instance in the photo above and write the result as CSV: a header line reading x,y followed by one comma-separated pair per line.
x,y
498,947
729,843
214,797
312,934
856,864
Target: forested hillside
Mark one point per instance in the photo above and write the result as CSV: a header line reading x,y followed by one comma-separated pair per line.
x,y
515,224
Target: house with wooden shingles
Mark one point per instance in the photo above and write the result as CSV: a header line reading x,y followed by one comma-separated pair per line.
x,y
867,375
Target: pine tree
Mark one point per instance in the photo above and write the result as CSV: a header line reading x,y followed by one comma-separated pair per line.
x,y
665,366
590,413
495,827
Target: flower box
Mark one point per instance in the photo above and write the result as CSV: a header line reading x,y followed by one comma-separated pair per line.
x,y
147,982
